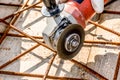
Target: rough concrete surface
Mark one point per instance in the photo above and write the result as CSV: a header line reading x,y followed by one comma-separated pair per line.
x,y
101,58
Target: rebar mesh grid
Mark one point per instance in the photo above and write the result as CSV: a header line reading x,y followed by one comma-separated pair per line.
x,y
10,25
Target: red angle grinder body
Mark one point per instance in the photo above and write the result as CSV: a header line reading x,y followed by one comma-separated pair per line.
x,y
81,11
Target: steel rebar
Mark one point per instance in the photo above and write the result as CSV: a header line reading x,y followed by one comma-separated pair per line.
x,y
102,42
110,2
37,75
18,5
49,66
117,68
18,12
37,41
89,70
84,67
111,12
103,27
19,35
17,57
12,22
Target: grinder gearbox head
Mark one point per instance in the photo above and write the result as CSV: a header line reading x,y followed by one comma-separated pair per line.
x,y
66,38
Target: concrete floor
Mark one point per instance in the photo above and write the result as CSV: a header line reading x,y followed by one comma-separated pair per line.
x,y
101,58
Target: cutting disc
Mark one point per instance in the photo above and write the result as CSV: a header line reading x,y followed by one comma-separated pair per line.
x,y
70,41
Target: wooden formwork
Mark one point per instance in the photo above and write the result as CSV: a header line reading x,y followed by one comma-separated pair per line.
x,y
23,52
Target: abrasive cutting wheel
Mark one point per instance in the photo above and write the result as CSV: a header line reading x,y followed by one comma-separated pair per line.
x,y
70,41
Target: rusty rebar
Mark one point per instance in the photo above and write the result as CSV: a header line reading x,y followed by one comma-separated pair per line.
x,y
17,57
19,35
103,27
89,70
117,68
11,4
111,12
18,5
49,66
12,22
37,75
110,2
102,42
18,12
37,41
